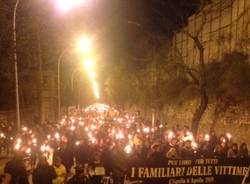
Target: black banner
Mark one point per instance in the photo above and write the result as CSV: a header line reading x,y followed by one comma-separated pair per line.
x,y
195,171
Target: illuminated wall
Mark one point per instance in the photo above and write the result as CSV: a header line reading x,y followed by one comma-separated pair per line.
x,y
227,29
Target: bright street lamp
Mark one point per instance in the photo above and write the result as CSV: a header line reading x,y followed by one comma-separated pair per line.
x,y
89,64
96,89
84,45
92,75
66,5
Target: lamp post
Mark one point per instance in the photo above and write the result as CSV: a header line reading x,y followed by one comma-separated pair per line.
x,y
58,82
64,5
83,46
72,85
15,67
72,78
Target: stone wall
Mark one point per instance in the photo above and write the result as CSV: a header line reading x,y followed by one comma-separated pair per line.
x,y
235,121
226,29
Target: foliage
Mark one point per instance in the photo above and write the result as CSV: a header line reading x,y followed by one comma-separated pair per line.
x,y
150,82
120,86
28,29
229,84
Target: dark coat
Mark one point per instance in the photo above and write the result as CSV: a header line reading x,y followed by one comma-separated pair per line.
x,y
17,170
44,174
77,180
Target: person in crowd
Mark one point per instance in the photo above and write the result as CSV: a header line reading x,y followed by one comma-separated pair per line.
x,y
203,150
233,151
98,168
80,177
218,151
9,135
83,134
243,151
106,154
117,160
82,153
15,171
60,171
43,173
155,155
173,152
187,151
213,141
67,156
144,150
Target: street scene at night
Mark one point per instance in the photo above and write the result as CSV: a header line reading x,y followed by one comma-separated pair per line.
x,y
124,91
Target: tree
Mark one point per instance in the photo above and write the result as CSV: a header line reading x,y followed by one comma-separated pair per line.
x,y
152,81
198,75
35,50
120,86
201,81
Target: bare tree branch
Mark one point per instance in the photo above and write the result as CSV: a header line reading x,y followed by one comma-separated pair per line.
x,y
243,13
199,30
204,19
188,34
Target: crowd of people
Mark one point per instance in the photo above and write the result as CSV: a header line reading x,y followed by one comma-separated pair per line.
x,y
97,144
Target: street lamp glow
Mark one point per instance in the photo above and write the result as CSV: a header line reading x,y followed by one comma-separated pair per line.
x,y
92,75
89,64
66,5
96,90
84,45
